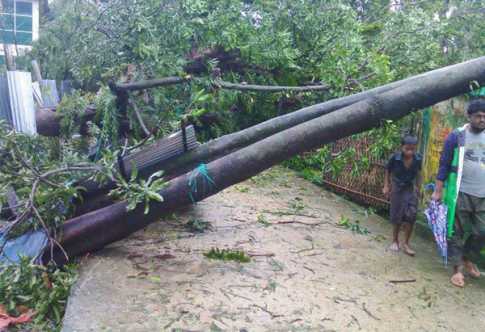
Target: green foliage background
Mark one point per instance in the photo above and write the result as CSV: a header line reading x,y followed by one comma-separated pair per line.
x,y
351,45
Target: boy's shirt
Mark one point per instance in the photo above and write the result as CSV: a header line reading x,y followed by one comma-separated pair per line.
x,y
401,175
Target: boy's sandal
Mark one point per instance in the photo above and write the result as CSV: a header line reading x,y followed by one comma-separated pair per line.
x,y
408,251
473,273
394,247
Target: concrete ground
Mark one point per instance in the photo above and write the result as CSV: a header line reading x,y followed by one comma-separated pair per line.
x,y
306,272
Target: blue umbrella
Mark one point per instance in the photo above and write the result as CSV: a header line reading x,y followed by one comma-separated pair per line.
x,y
437,221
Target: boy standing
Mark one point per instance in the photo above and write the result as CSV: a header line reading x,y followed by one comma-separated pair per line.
x,y
402,183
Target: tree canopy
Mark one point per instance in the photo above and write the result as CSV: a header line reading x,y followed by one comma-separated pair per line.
x,y
349,45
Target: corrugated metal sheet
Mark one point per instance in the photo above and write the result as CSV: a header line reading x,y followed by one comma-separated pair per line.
x,y
22,101
5,112
162,150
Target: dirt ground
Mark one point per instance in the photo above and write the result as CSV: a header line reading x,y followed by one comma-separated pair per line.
x,y
306,272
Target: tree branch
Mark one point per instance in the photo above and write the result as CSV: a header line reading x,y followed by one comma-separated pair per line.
x,y
148,84
269,88
30,209
139,118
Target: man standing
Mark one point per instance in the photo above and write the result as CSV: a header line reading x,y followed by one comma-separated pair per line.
x,y
462,169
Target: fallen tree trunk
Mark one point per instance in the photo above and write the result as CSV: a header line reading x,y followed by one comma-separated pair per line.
x,y
95,197
96,229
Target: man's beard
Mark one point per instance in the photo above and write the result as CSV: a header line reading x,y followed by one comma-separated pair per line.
x,y
476,130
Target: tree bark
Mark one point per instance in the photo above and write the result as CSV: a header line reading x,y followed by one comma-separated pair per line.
x,y
96,229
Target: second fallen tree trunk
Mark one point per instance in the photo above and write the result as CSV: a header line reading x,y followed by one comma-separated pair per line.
x,y
95,195
96,229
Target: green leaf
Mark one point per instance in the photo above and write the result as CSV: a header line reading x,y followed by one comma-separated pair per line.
x,y
155,176
155,196
134,172
132,205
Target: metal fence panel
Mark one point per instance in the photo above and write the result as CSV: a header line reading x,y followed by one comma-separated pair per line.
x,y
364,186
22,101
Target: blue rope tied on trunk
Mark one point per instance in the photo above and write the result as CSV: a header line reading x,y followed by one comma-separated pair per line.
x,y
200,179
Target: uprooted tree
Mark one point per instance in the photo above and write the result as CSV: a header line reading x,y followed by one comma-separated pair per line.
x,y
243,73
260,147
98,228
225,66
